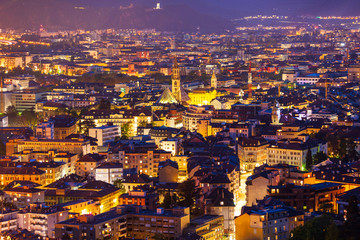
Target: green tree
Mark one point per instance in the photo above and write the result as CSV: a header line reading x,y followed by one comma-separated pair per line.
x,y
29,119
119,184
332,232
125,131
320,157
188,193
104,104
85,126
351,228
317,228
342,148
309,160
169,201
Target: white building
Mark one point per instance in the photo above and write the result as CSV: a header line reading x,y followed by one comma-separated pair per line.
x,y
104,134
4,121
8,221
311,79
109,172
170,145
41,220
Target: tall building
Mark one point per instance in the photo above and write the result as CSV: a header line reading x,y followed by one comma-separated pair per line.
x,y
250,82
213,80
176,81
275,114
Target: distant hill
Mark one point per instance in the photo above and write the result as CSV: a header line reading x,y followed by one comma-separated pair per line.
x,y
177,15
66,14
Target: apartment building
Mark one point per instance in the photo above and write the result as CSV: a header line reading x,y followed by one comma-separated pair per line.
x,y
105,134
270,223
41,220
8,220
252,153
293,152
194,114
209,227
26,100
146,162
77,146
10,174
142,224
108,225
109,172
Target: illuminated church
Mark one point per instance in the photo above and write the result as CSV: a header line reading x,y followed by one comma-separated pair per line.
x,y
177,94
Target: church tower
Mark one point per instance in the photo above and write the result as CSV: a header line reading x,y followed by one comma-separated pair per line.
x,y
175,80
275,114
213,80
250,82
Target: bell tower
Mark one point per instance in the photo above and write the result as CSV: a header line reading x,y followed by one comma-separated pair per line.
x,y
213,80
250,82
176,81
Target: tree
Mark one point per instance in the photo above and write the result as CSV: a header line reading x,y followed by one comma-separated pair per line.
x,y
317,228
309,160
119,184
319,157
125,131
342,148
104,104
332,232
169,201
85,126
351,228
188,193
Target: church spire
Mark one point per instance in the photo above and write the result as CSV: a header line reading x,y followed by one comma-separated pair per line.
x,y
213,80
175,81
250,82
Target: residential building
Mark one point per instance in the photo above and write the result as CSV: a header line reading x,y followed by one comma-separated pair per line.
x,y
221,202
142,224
315,197
8,221
139,198
45,130
105,134
9,174
63,126
108,225
103,193
87,164
77,146
168,171
170,145
210,227
194,114
252,153
41,220
269,222
26,100
293,152
109,172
